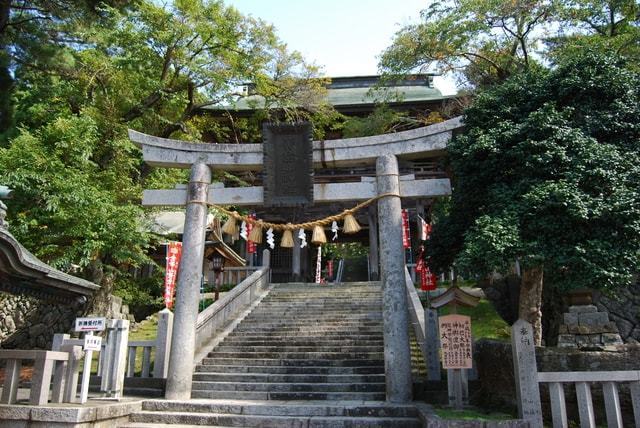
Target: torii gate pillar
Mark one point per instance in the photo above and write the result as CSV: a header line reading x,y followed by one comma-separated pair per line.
x,y
397,354
188,289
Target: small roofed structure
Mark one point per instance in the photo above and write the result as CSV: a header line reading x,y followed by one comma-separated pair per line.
x,y
455,296
217,245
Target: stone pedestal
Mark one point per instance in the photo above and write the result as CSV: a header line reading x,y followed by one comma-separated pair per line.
x,y
586,328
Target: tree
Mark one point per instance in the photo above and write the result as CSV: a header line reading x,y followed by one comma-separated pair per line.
x,y
547,175
80,80
487,40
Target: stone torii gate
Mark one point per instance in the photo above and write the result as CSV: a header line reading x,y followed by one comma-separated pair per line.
x,y
383,150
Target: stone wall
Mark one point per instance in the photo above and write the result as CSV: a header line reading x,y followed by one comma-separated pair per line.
x,y
622,304
29,323
497,385
623,307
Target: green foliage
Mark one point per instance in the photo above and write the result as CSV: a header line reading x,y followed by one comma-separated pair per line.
x,y
345,250
84,72
547,174
381,121
486,41
67,209
485,321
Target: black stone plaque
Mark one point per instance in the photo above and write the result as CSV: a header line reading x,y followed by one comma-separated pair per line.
x,y
288,164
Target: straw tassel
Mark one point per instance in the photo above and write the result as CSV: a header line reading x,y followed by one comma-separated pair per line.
x,y
230,226
350,224
287,239
318,235
256,233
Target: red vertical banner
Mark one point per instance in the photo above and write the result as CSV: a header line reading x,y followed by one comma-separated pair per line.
x,y
406,232
428,280
251,246
174,252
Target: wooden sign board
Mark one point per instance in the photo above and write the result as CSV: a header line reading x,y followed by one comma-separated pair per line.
x,y
92,343
90,324
288,165
455,341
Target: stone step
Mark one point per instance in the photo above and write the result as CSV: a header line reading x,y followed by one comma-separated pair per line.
x,y
329,326
305,316
282,378
326,355
331,336
288,387
292,370
328,306
308,329
353,300
307,356
288,362
271,322
261,421
285,408
341,300
260,341
296,348
288,396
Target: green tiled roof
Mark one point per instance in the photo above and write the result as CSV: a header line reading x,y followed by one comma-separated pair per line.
x,y
357,91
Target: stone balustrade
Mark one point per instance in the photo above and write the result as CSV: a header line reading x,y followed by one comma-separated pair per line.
x,y
609,381
46,365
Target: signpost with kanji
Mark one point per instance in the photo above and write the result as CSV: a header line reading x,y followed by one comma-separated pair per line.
x,y
455,341
90,324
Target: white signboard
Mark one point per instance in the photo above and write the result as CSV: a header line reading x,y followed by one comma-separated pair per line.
x,y
92,343
90,324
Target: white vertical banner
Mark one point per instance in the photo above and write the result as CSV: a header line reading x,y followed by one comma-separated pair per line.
x,y
319,265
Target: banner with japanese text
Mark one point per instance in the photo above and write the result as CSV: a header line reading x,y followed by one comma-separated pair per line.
x,y
174,252
251,246
406,232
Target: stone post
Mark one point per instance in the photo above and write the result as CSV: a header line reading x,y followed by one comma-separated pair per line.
x,y
374,259
525,372
432,343
117,336
397,355
188,287
163,344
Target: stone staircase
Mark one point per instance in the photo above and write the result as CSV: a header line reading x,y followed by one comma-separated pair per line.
x,y
306,356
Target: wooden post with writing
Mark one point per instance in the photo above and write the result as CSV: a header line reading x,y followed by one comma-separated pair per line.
x,y
525,372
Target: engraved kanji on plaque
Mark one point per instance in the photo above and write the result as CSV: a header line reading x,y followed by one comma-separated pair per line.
x,y
288,164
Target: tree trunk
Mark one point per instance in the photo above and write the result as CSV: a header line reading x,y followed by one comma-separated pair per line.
x,y
530,307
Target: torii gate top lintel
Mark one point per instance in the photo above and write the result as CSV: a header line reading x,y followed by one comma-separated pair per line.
x,y
421,142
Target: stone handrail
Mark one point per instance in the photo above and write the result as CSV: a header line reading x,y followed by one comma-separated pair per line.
x,y
132,349
609,381
222,312
416,315
46,362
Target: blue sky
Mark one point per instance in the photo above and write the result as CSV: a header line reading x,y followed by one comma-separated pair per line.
x,y
345,37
